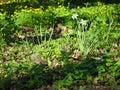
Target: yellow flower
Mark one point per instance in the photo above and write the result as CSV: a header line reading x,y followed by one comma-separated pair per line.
x,y
29,10
99,3
58,3
108,64
5,75
40,12
25,7
0,14
15,12
74,39
41,7
78,7
104,23
47,10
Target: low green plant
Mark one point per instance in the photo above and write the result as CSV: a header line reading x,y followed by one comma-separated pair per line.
x,y
87,37
3,23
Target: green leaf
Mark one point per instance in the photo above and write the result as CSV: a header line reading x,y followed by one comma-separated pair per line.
x,y
118,63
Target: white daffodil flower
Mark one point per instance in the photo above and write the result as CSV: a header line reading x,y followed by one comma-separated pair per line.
x,y
83,22
74,16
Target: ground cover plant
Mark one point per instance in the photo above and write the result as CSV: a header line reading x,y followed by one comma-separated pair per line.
x,y
60,46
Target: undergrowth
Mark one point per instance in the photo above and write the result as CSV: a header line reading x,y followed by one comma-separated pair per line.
x,y
59,47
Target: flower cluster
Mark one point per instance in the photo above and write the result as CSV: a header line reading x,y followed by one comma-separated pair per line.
x,y
82,22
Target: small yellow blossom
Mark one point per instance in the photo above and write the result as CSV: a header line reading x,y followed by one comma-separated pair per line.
x,y
25,7
78,7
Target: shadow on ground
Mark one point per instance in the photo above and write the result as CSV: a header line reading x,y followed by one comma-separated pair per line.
x,y
72,75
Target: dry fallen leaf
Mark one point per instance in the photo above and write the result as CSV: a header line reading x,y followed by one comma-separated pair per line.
x,y
95,81
39,59
27,29
76,54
